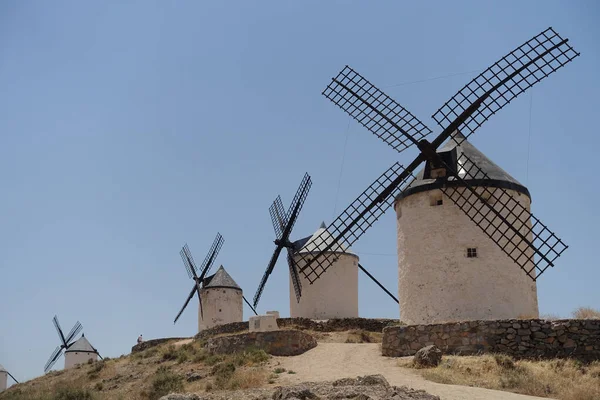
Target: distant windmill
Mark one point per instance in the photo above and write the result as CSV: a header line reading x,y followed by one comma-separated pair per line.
x,y
324,300
493,206
76,352
202,281
4,374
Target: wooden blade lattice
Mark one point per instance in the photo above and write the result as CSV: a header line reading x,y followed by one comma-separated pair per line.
x,y
375,110
352,223
498,85
505,220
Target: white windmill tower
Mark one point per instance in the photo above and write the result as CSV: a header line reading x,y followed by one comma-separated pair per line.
x,y
76,352
333,296
222,300
219,297
80,352
447,270
4,374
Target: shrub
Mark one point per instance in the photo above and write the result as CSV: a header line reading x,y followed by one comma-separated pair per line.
x,y
223,372
504,361
72,393
586,313
279,370
95,369
164,382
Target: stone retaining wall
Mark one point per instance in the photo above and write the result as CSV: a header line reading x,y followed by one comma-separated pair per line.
x,y
151,343
533,338
277,343
331,325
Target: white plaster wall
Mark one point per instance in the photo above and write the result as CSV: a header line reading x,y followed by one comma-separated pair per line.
x,y
77,357
436,280
263,323
333,295
3,381
220,306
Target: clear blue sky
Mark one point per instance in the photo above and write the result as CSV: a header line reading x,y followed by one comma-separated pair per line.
x,y
130,128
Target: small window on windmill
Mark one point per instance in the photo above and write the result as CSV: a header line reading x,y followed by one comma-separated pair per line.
x,y
472,252
436,199
219,310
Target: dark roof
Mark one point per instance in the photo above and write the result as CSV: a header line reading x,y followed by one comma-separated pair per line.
x,y
496,176
82,345
220,279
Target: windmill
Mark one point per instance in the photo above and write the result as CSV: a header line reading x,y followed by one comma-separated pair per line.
x,y
499,215
283,223
76,352
201,281
4,374
322,301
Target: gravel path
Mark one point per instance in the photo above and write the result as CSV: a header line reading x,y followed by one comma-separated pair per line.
x,y
330,361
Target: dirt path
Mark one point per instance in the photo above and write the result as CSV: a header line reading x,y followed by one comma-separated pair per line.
x,y
329,361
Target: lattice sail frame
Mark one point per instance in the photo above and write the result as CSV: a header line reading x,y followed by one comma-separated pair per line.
x,y
474,104
505,220
550,52
211,255
374,109
283,224
370,206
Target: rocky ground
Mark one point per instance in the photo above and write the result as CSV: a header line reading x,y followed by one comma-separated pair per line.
x,y
370,387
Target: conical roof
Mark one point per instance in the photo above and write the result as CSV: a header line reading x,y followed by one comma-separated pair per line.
x,y
220,279
82,345
2,368
310,244
496,176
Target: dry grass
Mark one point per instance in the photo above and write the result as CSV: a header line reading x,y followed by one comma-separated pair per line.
x,y
586,313
362,336
560,379
146,375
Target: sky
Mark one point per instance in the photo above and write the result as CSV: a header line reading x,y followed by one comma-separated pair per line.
x,y
129,128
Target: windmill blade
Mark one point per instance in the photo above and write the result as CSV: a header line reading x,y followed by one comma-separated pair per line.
x,y
249,305
498,85
518,233
297,203
186,303
355,220
294,275
53,357
375,110
268,271
363,269
59,330
74,331
13,378
211,256
188,261
277,213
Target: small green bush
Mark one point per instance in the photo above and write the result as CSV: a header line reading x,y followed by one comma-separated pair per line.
x,y
164,382
223,372
279,370
72,393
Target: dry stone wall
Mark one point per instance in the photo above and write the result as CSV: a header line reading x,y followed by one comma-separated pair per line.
x,y
151,343
533,338
277,343
330,325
